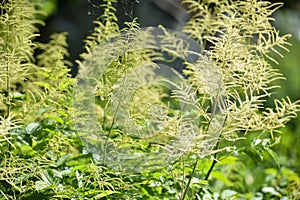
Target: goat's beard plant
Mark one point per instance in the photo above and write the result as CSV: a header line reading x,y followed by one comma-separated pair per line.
x,y
224,89
227,87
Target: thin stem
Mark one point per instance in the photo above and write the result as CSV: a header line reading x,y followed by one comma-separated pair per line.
x,y
109,133
110,129
8,102
190,179
183,172
8,91
214,162
197,159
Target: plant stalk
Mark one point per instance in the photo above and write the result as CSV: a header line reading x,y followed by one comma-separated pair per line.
x,y
190,179
8,101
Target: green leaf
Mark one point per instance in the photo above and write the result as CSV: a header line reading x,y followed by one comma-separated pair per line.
x,y
256,142
221,176
63,159
61,174
271,171
40,185
48,178
62,196
51,155
44,85
226,194
106,193
55,118
273,154
99,193
255,154
228,160
18,96
32,127
26,148
62,112
270,190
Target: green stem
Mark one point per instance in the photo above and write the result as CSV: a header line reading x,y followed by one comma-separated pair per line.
x,y
197,159
8,91
214,162
110,130
109,133
190,179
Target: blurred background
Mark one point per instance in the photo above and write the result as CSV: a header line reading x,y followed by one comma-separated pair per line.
x,y
76,17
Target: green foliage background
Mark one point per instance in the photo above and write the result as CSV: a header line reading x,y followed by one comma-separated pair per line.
x,y
42,156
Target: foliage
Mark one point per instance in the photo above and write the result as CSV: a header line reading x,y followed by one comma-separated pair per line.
x,y
43,157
